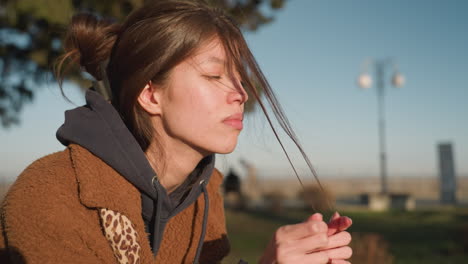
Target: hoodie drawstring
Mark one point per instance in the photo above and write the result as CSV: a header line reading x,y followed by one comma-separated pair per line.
x,y
205,222
157,220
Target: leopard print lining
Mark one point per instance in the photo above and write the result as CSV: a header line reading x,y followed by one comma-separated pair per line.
x,y
122,236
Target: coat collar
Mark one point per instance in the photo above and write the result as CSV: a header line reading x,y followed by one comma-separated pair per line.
x,y
100,186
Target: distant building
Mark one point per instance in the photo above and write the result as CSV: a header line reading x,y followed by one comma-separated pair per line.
x,y
232,183
233,197
448,184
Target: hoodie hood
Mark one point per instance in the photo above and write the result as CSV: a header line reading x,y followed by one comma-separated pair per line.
x,y
98,127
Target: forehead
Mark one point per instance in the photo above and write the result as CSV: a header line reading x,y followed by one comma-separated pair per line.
x,y
212,55
210,52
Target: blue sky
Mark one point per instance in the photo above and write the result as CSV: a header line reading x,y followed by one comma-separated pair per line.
x,y
312,54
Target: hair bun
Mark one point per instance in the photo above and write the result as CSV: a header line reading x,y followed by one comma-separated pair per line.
x,y
89,41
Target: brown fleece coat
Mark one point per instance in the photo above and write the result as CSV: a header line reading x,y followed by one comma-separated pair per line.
x,y
52,215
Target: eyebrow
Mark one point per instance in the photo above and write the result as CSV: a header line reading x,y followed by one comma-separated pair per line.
x,y
215,60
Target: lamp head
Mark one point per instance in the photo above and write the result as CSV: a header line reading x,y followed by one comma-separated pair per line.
x,y
364,81
398,80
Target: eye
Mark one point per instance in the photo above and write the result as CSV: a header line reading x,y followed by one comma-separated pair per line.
x,y
213,77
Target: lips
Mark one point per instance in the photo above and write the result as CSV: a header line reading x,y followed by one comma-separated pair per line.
x,y
235,121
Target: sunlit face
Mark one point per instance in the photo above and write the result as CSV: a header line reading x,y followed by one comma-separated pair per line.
x,y
201,106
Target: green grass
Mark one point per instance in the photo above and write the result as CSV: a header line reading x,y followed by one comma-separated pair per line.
x,y
430,237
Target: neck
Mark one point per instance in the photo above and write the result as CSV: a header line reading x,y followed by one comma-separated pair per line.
x,y
173,163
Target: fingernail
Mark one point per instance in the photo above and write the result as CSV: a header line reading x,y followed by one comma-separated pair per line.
x,y
319,215
349,220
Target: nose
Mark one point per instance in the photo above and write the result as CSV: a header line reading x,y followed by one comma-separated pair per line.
x,y
238,95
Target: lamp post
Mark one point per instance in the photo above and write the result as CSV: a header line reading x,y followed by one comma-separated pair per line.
x,y
365,82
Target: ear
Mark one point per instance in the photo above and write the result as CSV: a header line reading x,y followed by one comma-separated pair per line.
x,y
150,99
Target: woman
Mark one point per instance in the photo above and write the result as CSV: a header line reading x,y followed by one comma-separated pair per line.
x,y
136,183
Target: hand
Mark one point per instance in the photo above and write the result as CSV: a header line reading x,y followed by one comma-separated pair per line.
x,y
336,227
336,224
309,242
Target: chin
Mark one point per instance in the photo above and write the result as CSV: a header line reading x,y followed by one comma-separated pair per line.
x,y
225,151
225,148
218,144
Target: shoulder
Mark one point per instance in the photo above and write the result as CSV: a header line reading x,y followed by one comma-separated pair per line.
x,y
43,217
43,174
46,183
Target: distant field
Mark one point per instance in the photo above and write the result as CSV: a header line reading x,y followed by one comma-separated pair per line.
x,y
422,188
429,237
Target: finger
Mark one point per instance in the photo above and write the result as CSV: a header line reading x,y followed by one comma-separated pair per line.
x,y
339,224
332,228
307,245
316,257
335,215
339,261
315,217
339,253
338,240
301,230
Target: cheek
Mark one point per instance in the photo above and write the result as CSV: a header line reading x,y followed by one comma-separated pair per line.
x,y
195,117
190,114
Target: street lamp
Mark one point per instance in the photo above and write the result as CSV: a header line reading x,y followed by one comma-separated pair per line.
x,y
365,82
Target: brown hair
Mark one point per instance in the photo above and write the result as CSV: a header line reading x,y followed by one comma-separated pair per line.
x,y
153,40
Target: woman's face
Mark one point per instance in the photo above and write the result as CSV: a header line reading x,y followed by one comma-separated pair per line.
x,y
201,106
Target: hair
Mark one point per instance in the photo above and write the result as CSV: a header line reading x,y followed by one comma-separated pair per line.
x,y
148,44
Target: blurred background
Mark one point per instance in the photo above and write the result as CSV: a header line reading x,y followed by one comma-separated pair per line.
x,y
377,92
